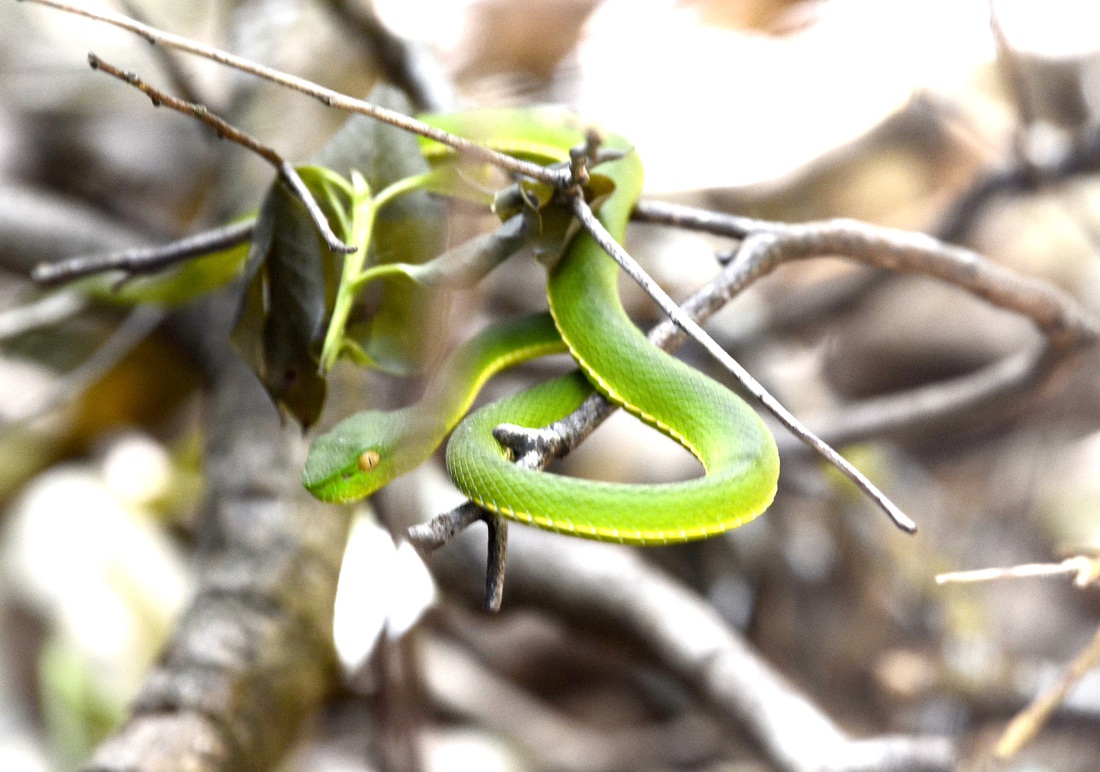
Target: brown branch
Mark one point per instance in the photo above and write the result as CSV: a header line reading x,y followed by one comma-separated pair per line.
x,y
169,62
137,260
559,178
252,656
607,590
1066,326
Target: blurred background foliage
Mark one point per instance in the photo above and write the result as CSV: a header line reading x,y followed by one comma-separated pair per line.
x,y
788,110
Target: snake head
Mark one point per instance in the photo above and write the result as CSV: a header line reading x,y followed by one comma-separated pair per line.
x,y
353,460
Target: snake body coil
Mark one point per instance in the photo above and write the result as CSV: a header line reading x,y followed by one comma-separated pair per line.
x,y
734,446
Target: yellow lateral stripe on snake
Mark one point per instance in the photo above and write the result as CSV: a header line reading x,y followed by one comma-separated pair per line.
x,y
366,451
403,439
724,433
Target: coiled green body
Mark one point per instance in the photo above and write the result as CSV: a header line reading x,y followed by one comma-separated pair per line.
x,y
737,451
718,428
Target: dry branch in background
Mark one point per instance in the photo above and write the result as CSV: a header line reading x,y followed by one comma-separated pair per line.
x,y
252,656
606,589
765,246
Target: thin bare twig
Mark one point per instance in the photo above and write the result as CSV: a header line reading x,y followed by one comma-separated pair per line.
x,y
1085,571
557,177
497,558
675,313
1028,722
695,219
226,130
181,81
138,260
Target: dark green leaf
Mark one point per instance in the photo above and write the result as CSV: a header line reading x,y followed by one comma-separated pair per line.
x,y
290,277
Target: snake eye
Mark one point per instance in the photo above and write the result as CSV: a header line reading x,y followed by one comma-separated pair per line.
x,y
368,460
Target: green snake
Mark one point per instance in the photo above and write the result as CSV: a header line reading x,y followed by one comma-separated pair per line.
x,y
735,448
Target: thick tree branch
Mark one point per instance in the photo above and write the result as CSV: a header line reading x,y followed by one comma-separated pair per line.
x,y
252,656
606,589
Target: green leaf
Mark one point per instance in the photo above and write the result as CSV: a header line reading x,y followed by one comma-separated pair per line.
x,y
394,324
290,282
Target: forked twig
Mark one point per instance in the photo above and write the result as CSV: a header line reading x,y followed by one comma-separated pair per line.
x,y
768,245
1028,722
